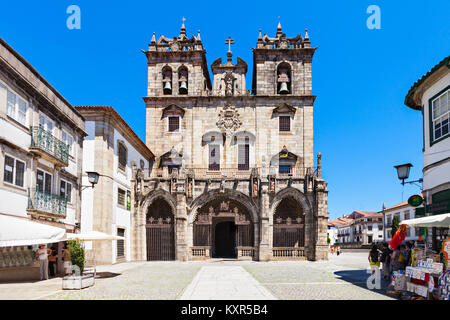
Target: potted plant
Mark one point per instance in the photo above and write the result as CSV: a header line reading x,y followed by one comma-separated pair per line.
x,y
77,280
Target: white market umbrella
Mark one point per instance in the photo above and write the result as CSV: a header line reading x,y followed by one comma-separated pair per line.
x,y
93,236
439,221
18,231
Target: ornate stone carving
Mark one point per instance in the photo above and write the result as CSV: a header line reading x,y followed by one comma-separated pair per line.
x,y
229,120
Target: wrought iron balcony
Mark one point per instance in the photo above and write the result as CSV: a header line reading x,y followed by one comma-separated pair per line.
x,y
47,204
52,149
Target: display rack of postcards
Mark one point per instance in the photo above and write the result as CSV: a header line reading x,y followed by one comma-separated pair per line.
x,y
422,279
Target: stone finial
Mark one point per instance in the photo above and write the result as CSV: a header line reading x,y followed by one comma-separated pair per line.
x,y
259,36
198,36
319,165
306,34
153,38
183,28
279,32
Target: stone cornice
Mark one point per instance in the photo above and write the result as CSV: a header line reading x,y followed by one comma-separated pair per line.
x,y
266,99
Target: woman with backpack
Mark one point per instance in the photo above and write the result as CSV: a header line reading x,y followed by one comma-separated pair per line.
x,y
374,258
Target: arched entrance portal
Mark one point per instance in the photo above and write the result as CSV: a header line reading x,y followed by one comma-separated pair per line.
x,y
289,224
160,231
223,226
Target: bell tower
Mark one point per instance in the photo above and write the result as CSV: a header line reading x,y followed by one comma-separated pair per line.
x,y
177,66
282,65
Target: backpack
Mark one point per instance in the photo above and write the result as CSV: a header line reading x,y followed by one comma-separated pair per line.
x,y
374,255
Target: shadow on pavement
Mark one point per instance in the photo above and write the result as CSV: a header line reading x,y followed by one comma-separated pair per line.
x,y
359,278
106,274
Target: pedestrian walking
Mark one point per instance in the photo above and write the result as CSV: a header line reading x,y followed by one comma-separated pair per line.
x,y
386,259
338,250
42,255
67,260
52,258
374,259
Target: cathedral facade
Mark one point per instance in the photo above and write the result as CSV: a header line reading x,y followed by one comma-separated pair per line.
x,y
233,174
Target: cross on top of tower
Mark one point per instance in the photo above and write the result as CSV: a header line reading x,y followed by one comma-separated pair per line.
x,y
229,42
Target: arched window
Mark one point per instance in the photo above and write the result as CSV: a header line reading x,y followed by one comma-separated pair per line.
x,y
284,78
167,80
123,155
182,80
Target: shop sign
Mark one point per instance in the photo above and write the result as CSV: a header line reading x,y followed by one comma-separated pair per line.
x,y
415,200
439,207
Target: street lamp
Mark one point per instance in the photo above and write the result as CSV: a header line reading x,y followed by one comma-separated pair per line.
x,y
403,173
93,179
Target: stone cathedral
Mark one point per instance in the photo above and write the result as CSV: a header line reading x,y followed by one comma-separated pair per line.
x,y
233,174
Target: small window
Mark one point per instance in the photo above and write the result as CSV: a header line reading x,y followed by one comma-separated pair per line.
x,y
285,123
43,181
369,228
66,190
441,115
174,124
14,171
284,169
16,107
122,156
244,157
68,139
380,227
214,157
121,197
120,243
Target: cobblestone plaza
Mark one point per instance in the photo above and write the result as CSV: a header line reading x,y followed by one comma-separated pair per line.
x,y
339,278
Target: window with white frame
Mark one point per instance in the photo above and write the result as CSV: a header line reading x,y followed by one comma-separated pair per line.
x,y
174,123
441,115
14,171
16,107
68,139
46,123
65,190
43,181
123,155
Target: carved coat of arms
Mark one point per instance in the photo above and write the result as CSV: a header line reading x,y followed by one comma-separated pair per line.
x,y
229,119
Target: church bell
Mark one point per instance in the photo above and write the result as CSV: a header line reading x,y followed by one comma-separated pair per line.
x,y
183,87
283,88
167,88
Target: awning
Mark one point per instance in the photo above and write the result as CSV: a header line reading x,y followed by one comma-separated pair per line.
x,y
15,231
439,220
92,236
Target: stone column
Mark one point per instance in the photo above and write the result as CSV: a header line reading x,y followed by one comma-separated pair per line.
x,y
181,248
266,224
321,245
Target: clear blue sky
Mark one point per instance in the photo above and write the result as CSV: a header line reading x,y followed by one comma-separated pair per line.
x,y
360,76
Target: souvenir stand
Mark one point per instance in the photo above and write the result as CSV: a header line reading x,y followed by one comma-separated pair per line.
x,y
428,277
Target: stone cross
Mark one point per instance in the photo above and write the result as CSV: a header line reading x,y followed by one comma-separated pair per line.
x,y
229,42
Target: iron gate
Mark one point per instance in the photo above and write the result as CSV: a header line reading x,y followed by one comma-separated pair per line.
x,y
160,240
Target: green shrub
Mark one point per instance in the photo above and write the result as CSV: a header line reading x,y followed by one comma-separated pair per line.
x,y
395,225
76,254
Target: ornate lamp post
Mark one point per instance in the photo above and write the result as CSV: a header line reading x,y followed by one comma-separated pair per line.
x,y
403,173
93,179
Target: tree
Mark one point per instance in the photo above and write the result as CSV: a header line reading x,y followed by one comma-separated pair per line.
x,y
76,254
395,225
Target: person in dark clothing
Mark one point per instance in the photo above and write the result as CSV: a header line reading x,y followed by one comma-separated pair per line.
x,y
385,259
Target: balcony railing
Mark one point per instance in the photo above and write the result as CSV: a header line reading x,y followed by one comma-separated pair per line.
x,y
45,202
42,139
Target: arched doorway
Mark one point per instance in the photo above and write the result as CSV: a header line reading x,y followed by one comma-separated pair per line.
x,y
223,226
160,231
289,224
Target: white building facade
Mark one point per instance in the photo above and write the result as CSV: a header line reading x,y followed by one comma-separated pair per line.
x,y
110,149
41,136
404,212
431,95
